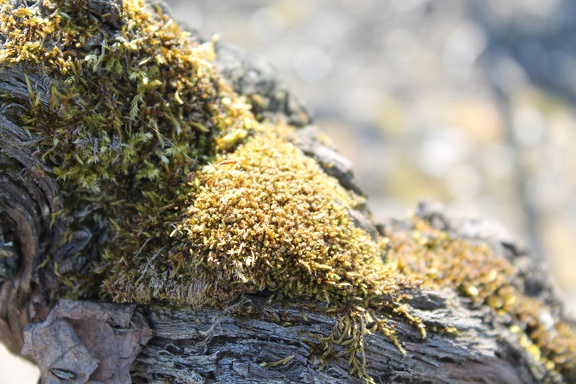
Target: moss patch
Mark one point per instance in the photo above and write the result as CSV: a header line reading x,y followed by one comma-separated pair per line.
x,y
131,112
476,272
197,202
200,204
266,217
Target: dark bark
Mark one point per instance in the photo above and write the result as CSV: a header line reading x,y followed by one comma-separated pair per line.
x,y
253,340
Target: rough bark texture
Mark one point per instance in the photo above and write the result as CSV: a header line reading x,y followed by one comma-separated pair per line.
x,y
252,340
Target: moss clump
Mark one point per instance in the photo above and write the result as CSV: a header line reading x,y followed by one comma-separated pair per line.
x,y
132,110
266,217
133,116
476,272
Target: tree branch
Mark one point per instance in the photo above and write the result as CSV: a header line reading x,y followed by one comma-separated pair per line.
x,y
91,199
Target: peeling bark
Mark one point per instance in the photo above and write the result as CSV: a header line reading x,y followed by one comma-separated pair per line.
x,y
82,340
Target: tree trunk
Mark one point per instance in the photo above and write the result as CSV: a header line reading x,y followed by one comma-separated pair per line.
x,y
264,336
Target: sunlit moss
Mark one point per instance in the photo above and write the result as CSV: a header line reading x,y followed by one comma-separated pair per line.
x,y
130,114
266,217
476,272
196,202
199,204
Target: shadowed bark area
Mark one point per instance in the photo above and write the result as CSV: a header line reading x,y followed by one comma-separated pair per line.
x,y
274,344
256,339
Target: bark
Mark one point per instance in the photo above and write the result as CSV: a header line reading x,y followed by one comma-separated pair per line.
x,y
255,339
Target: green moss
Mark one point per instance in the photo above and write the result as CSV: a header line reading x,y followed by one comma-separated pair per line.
x,y
267,217
474,271
129,116
200,203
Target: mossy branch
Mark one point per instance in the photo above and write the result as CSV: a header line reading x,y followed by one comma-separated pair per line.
x,y
143,167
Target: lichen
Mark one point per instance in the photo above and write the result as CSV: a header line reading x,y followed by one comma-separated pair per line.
x,y
472,269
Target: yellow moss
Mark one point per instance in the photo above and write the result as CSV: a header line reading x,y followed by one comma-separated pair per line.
x,y
129,128
129,116
472,269
130,125
266,217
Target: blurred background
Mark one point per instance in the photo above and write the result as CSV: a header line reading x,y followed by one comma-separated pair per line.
x,y
466,102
